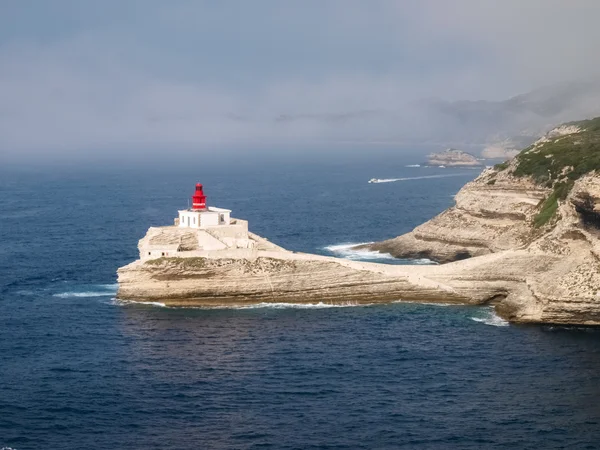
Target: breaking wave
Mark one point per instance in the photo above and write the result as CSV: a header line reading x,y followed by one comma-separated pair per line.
x,y
490,318
347,251
319,305
263,305
133,302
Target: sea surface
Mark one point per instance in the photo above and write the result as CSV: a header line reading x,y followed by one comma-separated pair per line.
x,y
79,370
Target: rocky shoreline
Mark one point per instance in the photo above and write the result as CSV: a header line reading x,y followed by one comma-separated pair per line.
x,y
492,246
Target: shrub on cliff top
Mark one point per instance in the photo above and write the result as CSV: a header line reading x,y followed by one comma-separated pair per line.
x,y
559,161
564,157
501,166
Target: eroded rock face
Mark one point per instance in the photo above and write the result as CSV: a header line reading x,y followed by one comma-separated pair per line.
x,y
550,274
492,213
271,277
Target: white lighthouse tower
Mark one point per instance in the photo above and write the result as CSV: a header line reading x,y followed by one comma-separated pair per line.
x,y
200,216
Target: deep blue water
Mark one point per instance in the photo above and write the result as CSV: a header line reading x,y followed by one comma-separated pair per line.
x,y
78,371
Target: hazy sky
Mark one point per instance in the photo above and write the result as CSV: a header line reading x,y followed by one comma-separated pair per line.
x,y
81,76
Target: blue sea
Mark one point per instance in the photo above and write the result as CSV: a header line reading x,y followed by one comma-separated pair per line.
x,y
79,370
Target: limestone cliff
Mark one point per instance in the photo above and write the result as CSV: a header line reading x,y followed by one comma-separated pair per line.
x,y
240,279
542,207
492,213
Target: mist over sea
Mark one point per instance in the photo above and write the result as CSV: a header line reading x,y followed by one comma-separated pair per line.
x,y
79,370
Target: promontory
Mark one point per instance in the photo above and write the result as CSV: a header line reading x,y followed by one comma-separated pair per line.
x,y
523,236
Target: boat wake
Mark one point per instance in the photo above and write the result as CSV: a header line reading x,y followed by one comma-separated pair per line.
x,y
393,180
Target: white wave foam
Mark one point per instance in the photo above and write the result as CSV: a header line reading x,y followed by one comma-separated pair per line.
x,y
491,318
134,302
348,252
392,180
95,290
422,262
83,294
413,165
265,305
319,305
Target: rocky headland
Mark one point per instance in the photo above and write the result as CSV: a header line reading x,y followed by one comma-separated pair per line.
x,y
523,236
531,224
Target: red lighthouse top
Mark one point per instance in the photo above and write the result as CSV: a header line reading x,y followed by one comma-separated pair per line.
x,y
199,199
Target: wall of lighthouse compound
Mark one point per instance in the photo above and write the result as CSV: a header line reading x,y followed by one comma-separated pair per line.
x,y
174,241
210,229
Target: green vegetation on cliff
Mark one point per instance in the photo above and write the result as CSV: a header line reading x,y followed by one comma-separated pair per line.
x,y
550,204
562,158
558,162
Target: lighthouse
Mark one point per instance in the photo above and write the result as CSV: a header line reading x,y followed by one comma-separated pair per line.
x,y
199,199
202,216
198,231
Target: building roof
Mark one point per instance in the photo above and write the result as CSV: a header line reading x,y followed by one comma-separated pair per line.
x,y
210,209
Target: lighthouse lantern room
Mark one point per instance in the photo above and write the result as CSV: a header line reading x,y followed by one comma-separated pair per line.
x,y
201,216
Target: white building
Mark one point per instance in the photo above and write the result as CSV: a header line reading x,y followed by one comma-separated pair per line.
x,y
209,217
201,217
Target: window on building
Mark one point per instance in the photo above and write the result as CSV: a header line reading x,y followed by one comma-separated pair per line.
x,y
162,254
149,253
